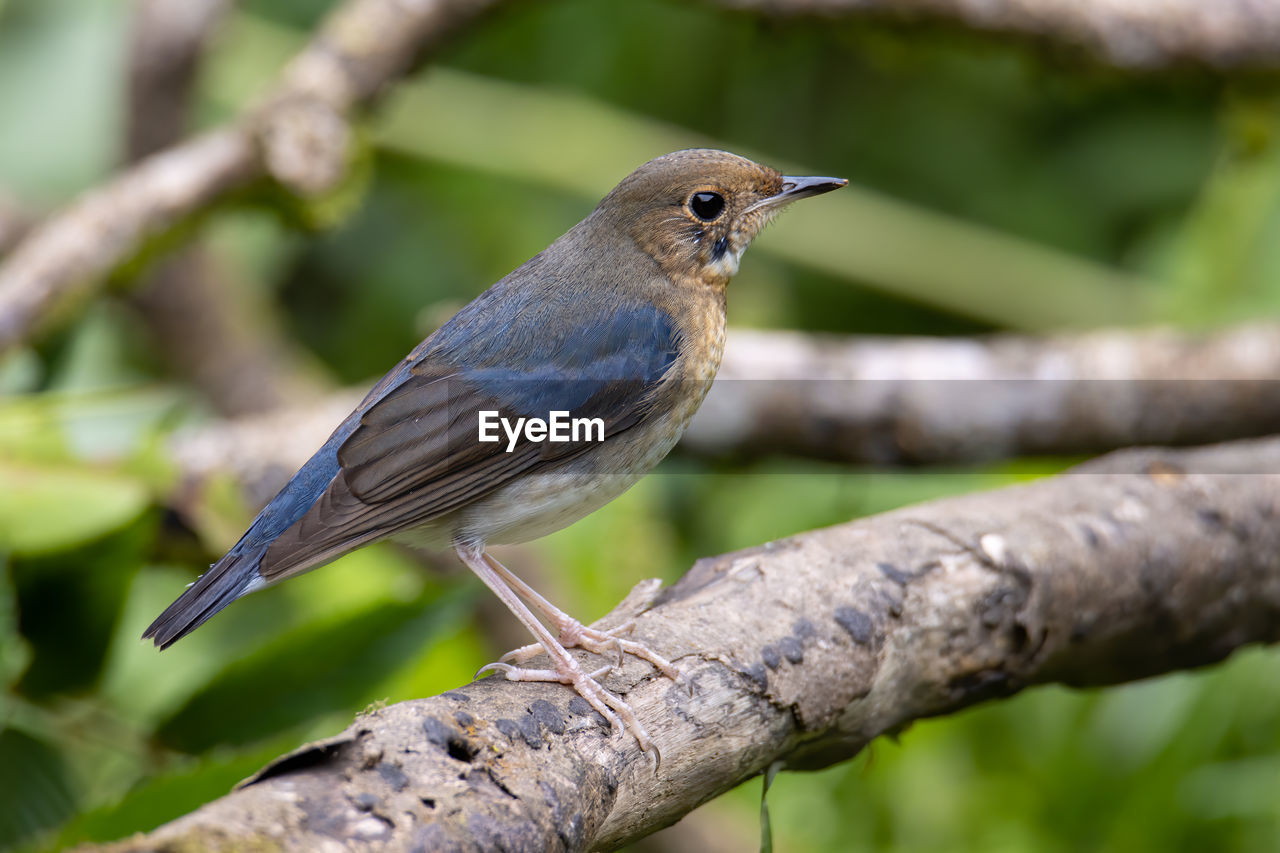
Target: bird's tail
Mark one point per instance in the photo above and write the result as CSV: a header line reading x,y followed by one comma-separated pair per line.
x,y
236,574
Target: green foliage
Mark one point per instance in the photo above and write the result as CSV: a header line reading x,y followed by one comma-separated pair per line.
x,y
1181,763
68,604
50,509
68,52
310,671
994,186
171,793
35,786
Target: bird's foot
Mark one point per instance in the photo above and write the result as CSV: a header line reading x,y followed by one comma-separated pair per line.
x,y
574,635
564,669
610,705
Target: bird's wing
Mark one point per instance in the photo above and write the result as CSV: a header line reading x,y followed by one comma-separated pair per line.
x,y
415,454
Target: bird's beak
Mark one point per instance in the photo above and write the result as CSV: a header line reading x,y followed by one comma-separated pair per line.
x,y
800,187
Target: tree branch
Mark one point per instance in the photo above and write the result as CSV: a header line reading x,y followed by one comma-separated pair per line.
x,y
298,137
895,400
15,222
207,326
803,651
1145,34
928,400
263,450
167,42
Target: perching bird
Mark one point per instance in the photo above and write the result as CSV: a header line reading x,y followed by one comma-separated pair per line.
x,y
622,319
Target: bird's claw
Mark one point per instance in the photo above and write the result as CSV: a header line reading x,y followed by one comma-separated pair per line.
x,y
574,634
515,673
587,685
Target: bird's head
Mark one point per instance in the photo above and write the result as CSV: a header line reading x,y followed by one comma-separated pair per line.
x,y
696,211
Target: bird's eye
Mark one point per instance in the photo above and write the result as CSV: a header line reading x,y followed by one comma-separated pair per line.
x,y
706,206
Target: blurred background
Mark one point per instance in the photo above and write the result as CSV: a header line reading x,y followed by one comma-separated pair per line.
x,y
1141,197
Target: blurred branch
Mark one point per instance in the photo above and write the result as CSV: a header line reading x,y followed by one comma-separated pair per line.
x,y
892,400
802,651
1141,34
168,40
299,137
71,251
857,235
913,400
205,323
212,331
261,451
15,222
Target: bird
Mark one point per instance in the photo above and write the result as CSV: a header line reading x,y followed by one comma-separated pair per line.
x,y
618,324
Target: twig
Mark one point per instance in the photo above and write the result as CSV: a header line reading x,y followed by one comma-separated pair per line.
x,y
63,258
263,450
1223,34
298,137
207,326
803,651
917,400
168,40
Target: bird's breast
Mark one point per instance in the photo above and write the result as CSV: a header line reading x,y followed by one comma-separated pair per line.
x,y
701,349
540,503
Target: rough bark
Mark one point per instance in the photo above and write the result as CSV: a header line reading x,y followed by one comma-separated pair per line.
x,y
802,651
1129,33
299,137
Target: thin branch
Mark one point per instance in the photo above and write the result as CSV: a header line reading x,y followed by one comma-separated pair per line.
x,y
168,41
208,327
1224,34
803,651
298,137
65,257
260,451
928,400
15,222
895,401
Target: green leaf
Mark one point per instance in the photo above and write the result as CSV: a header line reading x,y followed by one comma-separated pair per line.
x,y
36,793
312,672
15,654
182,788
766,829
71,54
69,602
45,509
1219,268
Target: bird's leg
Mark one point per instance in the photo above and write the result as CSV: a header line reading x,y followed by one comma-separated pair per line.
x,y
573,634
565,669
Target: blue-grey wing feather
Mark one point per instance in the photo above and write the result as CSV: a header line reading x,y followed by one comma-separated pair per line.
x,y
415,454
606,365
409,452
